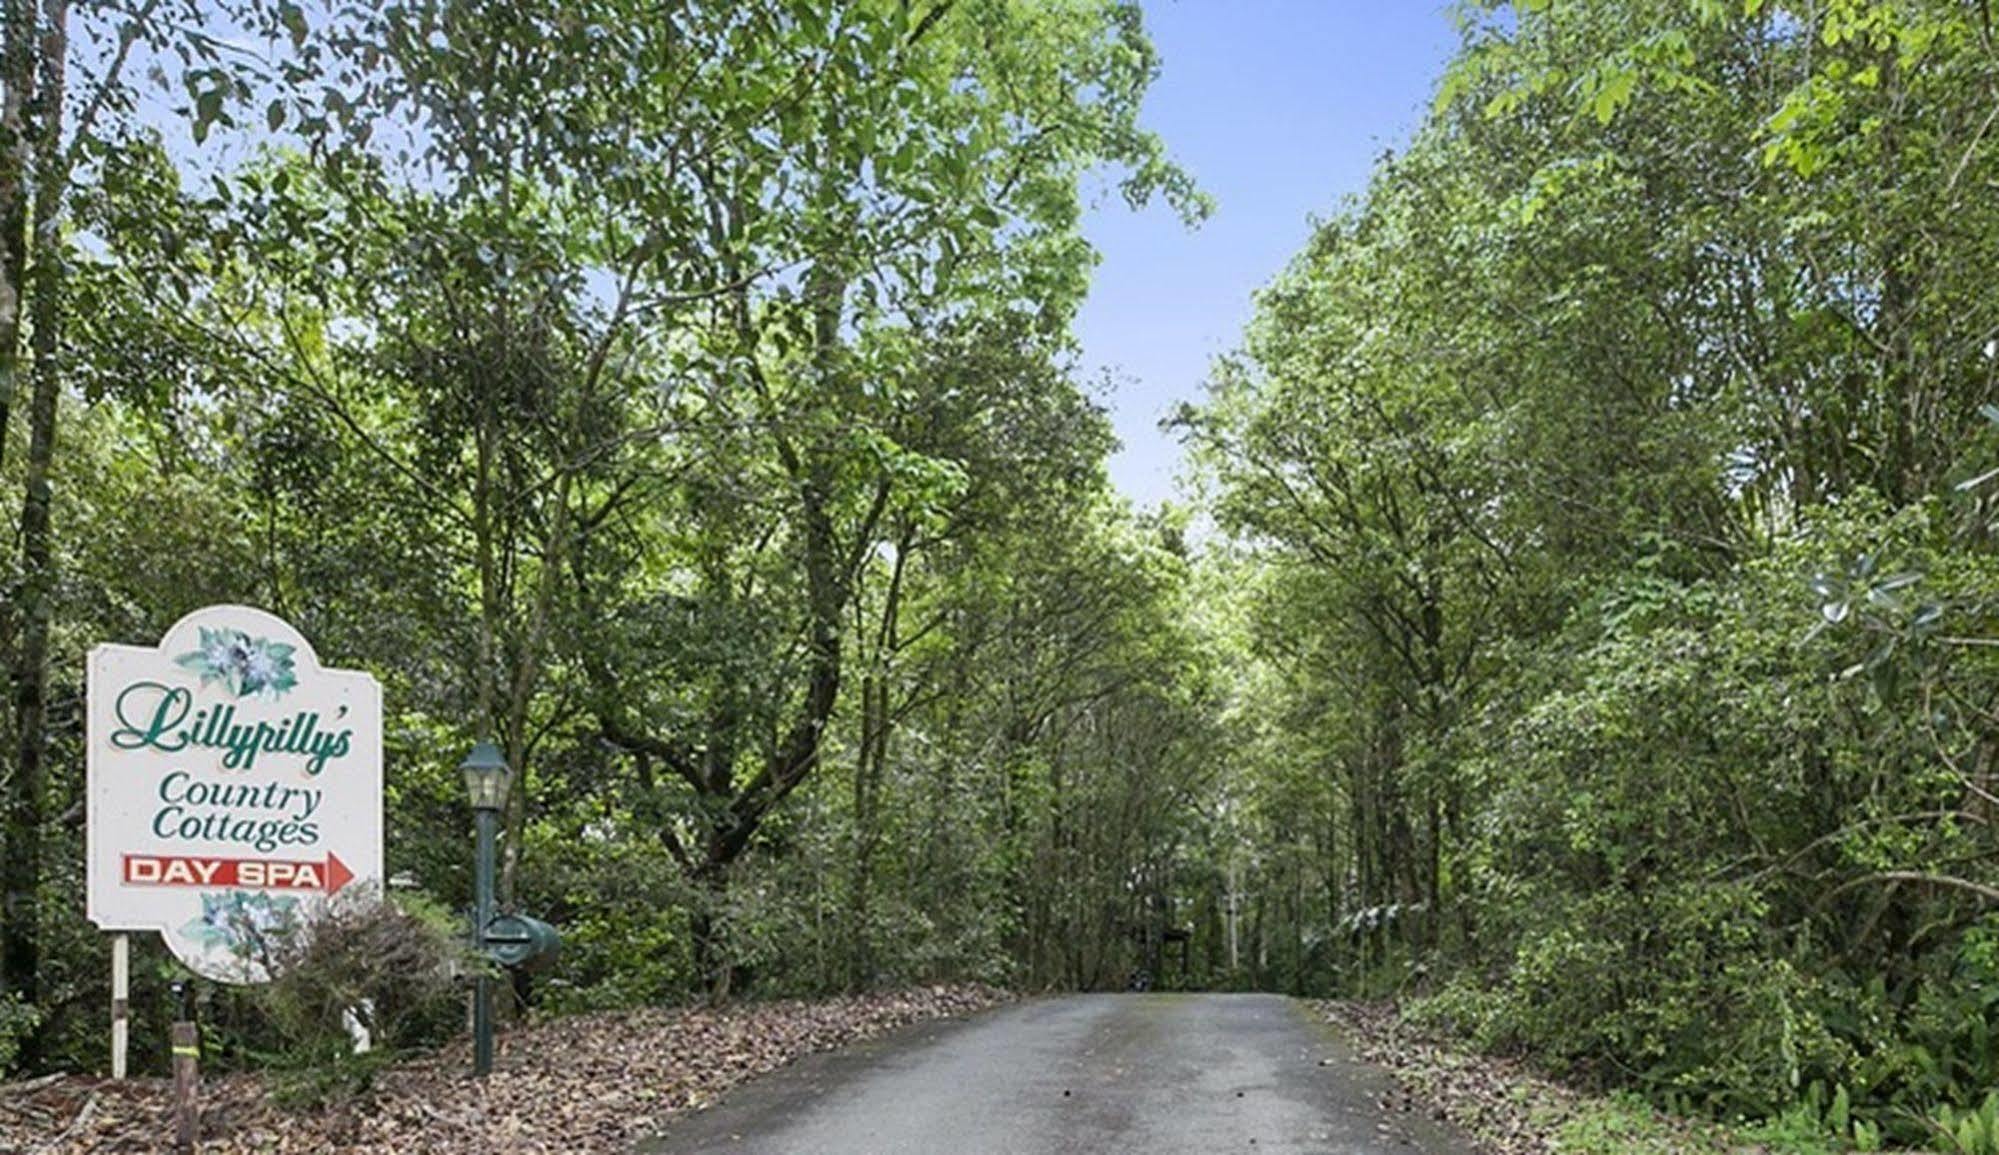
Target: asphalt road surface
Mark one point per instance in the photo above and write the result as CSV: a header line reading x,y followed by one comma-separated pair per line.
x,y
1158,1074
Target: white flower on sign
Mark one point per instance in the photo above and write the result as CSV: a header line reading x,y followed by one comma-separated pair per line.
x,y
248,666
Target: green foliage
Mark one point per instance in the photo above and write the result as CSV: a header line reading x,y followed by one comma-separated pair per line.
x,y
16,1020
1595,649
1626,1125
743,495
1817,1123
1970,1131
1612,481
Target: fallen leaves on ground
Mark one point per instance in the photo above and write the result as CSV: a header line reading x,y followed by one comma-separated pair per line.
x,y
578,1084
1501,1102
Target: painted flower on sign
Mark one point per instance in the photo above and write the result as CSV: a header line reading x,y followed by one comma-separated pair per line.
x,y
236,920
248,666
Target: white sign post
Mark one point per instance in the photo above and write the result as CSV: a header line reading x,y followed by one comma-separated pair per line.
x,y
235,784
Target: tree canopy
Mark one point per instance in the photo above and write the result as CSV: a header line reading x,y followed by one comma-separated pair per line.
x,y
1609,479
1581,625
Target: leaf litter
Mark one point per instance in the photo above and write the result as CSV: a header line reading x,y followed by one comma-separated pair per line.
x,y
582,1083
1507,1106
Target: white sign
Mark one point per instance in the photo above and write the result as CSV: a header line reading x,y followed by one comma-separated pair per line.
x,y
234,784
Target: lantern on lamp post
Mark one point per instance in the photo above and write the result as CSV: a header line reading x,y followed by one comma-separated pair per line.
x,y
487,777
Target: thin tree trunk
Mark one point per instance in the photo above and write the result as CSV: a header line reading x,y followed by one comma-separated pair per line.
x,y
867,787
872,759
527,679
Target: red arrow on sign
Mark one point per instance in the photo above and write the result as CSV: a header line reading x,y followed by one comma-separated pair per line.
x,y
328,875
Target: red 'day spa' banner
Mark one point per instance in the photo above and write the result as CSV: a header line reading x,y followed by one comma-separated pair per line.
x,y
234,782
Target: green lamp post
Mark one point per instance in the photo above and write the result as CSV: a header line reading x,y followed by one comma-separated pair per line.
x,y
486,779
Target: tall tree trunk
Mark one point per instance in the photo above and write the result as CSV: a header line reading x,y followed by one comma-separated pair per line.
x,y
17,79
21,867
711,956
829,583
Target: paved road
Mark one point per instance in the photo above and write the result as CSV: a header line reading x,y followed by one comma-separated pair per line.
x,y
1156,1074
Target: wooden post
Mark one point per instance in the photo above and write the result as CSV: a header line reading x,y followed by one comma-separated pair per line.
x,y
187,1075
121,994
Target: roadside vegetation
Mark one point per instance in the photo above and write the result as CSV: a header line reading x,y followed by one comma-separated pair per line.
x,y
678,396
1610,489
1581,629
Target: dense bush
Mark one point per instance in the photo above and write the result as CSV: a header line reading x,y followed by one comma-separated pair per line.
x,y
392,969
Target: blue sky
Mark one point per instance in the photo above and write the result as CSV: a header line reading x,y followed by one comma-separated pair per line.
x,y
1279,108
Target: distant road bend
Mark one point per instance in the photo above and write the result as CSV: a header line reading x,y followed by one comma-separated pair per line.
x,y
1156,1074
